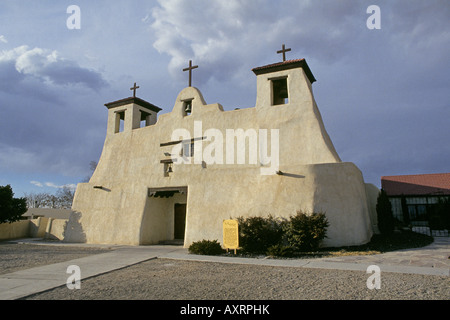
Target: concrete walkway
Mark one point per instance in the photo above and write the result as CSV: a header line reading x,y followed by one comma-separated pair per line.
x,y
430,260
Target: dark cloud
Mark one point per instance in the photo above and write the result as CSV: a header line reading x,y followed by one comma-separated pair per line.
x,y
44,127
383,94
70,73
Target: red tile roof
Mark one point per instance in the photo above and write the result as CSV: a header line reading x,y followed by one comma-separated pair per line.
x,y
288,64
421,184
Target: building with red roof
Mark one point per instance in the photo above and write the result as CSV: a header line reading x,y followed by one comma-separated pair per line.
x,y
418,197
437,184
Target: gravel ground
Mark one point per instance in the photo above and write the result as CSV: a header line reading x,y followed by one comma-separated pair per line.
x,y
165,279
16,256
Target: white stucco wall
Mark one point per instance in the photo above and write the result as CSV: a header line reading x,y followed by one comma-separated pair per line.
x,y
314,177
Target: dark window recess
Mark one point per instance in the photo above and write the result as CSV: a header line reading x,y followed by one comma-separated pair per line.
x,y
280,91
145,119
187,107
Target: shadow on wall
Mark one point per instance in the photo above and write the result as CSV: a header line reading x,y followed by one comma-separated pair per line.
x,y
55,229
38,227
74,230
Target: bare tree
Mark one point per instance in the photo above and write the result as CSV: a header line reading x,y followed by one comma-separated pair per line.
x,y
52,201
92,166
62,199
65,197
37,200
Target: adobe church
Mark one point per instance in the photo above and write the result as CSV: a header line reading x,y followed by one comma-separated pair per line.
x,y
179,175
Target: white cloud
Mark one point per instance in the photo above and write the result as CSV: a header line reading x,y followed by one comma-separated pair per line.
x,y
53,185
3,39
37,183
71,186
48,66
33,61
226,37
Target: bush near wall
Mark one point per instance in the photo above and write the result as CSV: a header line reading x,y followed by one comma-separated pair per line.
x,y
282,237
305,232
257,234
206,247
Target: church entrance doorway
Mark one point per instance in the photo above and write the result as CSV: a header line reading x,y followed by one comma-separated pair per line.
x,y
164,216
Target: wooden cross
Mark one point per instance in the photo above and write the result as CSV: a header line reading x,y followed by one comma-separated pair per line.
x,y
134,90
283,51
190,71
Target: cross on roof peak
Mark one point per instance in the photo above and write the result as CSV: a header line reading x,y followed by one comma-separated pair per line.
x,y
283,51
190,68
134,90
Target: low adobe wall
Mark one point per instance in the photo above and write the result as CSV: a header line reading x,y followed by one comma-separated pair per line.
x,y
15,230
55,229
47,228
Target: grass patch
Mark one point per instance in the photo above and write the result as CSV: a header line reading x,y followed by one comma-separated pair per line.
x,y
378,244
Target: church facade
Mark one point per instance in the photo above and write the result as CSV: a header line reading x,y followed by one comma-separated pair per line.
x,y
180,174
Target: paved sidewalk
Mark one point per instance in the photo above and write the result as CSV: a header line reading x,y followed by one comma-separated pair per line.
x,y
22,283
430,260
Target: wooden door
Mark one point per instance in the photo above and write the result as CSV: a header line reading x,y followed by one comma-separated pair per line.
x,y
180,221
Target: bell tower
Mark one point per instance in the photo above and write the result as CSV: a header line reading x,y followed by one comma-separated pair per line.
x,y
283,82
130,113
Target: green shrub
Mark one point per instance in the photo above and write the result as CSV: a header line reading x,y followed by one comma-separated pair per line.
x,y
386,222
257,234
305,232
280,250
11,209
439,215
282,238
206,247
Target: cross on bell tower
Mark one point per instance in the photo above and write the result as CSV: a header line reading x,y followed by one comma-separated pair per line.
x,y
283,51
190,71
134,90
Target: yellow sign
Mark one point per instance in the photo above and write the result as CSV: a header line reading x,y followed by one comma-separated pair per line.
x,y
230,234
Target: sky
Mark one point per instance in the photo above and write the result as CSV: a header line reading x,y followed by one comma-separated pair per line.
x,y
383,93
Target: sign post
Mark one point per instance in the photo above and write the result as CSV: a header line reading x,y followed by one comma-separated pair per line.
x,y
230,235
